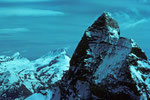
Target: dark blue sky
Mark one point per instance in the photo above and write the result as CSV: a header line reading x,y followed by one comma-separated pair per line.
x,y
34,27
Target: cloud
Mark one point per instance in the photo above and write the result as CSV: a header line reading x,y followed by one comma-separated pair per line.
x,y
145,1
6,52
132,25
13,30
24,0
131,19
4,12
121,16
116,3
140,4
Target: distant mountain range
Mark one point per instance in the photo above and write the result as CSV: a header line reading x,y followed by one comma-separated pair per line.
x,y
20,78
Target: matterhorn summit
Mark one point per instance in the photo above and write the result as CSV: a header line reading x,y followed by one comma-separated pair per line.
x,y
106,66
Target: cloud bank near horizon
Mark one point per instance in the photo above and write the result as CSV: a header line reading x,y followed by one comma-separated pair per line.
x,y
28,12
13,1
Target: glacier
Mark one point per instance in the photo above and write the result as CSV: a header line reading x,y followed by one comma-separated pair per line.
x,y
20,77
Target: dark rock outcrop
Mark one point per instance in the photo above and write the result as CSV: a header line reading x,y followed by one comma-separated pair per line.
x,y
106,66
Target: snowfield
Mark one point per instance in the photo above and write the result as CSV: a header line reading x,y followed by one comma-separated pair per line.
x,y
18,73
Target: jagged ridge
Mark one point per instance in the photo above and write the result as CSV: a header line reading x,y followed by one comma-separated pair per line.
x,y
20,78
106,66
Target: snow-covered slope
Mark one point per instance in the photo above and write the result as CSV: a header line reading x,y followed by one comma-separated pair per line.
x,y
106,66
20,77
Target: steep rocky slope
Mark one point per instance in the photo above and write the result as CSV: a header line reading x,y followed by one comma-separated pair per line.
x,y
106,66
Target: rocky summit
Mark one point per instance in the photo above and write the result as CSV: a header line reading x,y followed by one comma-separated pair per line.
x,y
105,66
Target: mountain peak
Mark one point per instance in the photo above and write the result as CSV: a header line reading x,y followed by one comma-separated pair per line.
x,y
106,15
104,30
106,66
105,21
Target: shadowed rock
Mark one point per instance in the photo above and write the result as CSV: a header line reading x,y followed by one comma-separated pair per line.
x,y
106,66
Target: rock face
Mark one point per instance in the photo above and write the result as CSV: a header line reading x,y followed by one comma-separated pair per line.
x,y
106,66
20,78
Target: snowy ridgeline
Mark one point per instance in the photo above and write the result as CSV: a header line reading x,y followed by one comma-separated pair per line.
x,y
20,77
